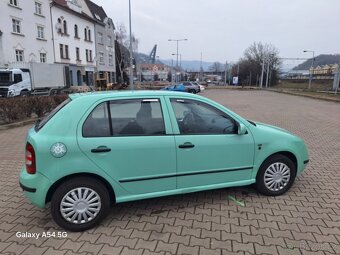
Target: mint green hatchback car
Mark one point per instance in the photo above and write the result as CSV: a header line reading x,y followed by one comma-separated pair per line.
x,y
97,149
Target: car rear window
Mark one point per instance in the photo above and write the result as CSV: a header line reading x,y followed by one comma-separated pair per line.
x,y
41,122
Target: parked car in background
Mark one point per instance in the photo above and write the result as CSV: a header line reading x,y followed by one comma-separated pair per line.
x,y
177,87
193,88
97,149
200,86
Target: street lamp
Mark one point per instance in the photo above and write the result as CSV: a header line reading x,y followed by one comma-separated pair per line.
x,y
131,53
311,69
180,64
177,40
180,59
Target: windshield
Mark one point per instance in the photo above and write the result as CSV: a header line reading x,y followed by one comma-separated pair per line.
x,y
41,122
5,78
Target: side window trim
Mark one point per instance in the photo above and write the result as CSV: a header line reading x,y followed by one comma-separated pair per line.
x,y
109,117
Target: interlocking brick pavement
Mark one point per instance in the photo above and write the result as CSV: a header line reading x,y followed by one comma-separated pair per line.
x,y
306,220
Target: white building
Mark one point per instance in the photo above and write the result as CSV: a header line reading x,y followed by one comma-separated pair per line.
x,y
74,40
25,32
105,44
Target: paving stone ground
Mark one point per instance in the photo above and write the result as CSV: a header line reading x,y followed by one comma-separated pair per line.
x,y
306,220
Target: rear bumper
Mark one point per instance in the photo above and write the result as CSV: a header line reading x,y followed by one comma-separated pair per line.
x,y
35,187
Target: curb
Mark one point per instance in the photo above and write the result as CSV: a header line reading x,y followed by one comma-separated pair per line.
x,y
304,95
18,124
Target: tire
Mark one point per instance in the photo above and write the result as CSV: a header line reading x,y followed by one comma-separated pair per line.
x,y
192,91
24,93
99,203
280,172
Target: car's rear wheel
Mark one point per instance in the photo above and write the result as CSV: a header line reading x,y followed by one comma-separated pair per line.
x,y
192,91
276,175
80,203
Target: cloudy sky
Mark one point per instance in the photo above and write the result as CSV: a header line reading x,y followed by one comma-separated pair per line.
x,y
223,29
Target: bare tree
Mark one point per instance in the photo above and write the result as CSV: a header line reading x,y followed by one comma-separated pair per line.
x,y
122,51
250,65
216,67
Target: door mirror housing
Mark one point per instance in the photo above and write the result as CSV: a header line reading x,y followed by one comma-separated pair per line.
x,y
242,130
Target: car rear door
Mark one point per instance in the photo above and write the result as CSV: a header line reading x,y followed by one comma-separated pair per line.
x,y
128,139
209,150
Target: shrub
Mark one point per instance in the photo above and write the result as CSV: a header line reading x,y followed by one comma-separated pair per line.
x,y
21,108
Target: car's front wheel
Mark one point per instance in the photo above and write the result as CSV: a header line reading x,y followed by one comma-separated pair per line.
x,y
276,175
80,203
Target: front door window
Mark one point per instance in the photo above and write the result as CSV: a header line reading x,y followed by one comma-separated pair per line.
x,y
195,117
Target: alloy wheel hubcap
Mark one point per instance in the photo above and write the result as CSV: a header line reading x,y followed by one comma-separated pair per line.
x,y
80,205
277,176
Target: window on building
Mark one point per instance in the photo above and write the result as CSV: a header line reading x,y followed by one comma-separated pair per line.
x,y
100,38
16,24
109,41
14,2
77,54
76,35
61,50
65,27
89,35
110,59
66,52
19,54
41,33
90,55
85,34
101,58
43,57
87,55
38,8
59,26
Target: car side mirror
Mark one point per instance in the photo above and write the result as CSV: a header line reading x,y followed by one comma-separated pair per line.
x,y
242,130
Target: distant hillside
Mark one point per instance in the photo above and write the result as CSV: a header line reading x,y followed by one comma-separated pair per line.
x,y
190,65
320,60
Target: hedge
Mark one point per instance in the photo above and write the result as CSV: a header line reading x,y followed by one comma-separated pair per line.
x,y
22,108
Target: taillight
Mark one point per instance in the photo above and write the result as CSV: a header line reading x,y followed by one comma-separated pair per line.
x,y
30,159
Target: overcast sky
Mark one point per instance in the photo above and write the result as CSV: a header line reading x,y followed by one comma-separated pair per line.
x,y
223,29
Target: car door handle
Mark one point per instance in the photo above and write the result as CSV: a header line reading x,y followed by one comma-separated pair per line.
x,y
186,146
100,149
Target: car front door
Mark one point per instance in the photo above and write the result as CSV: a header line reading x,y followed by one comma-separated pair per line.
x,y
209,149
128,139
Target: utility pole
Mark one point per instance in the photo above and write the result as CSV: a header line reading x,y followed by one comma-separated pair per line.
x,y
262,72
267,79
311,69
250,79
225,72
131,53
201,69
172,66
177,40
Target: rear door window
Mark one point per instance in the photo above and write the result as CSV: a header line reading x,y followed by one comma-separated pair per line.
x,y
137,117
130,117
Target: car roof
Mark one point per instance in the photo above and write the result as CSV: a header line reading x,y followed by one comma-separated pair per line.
x,y
125,93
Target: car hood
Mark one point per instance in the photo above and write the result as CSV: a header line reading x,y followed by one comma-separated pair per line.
x,y
267,126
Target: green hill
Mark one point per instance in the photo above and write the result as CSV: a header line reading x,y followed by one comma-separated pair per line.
x,y
323,59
